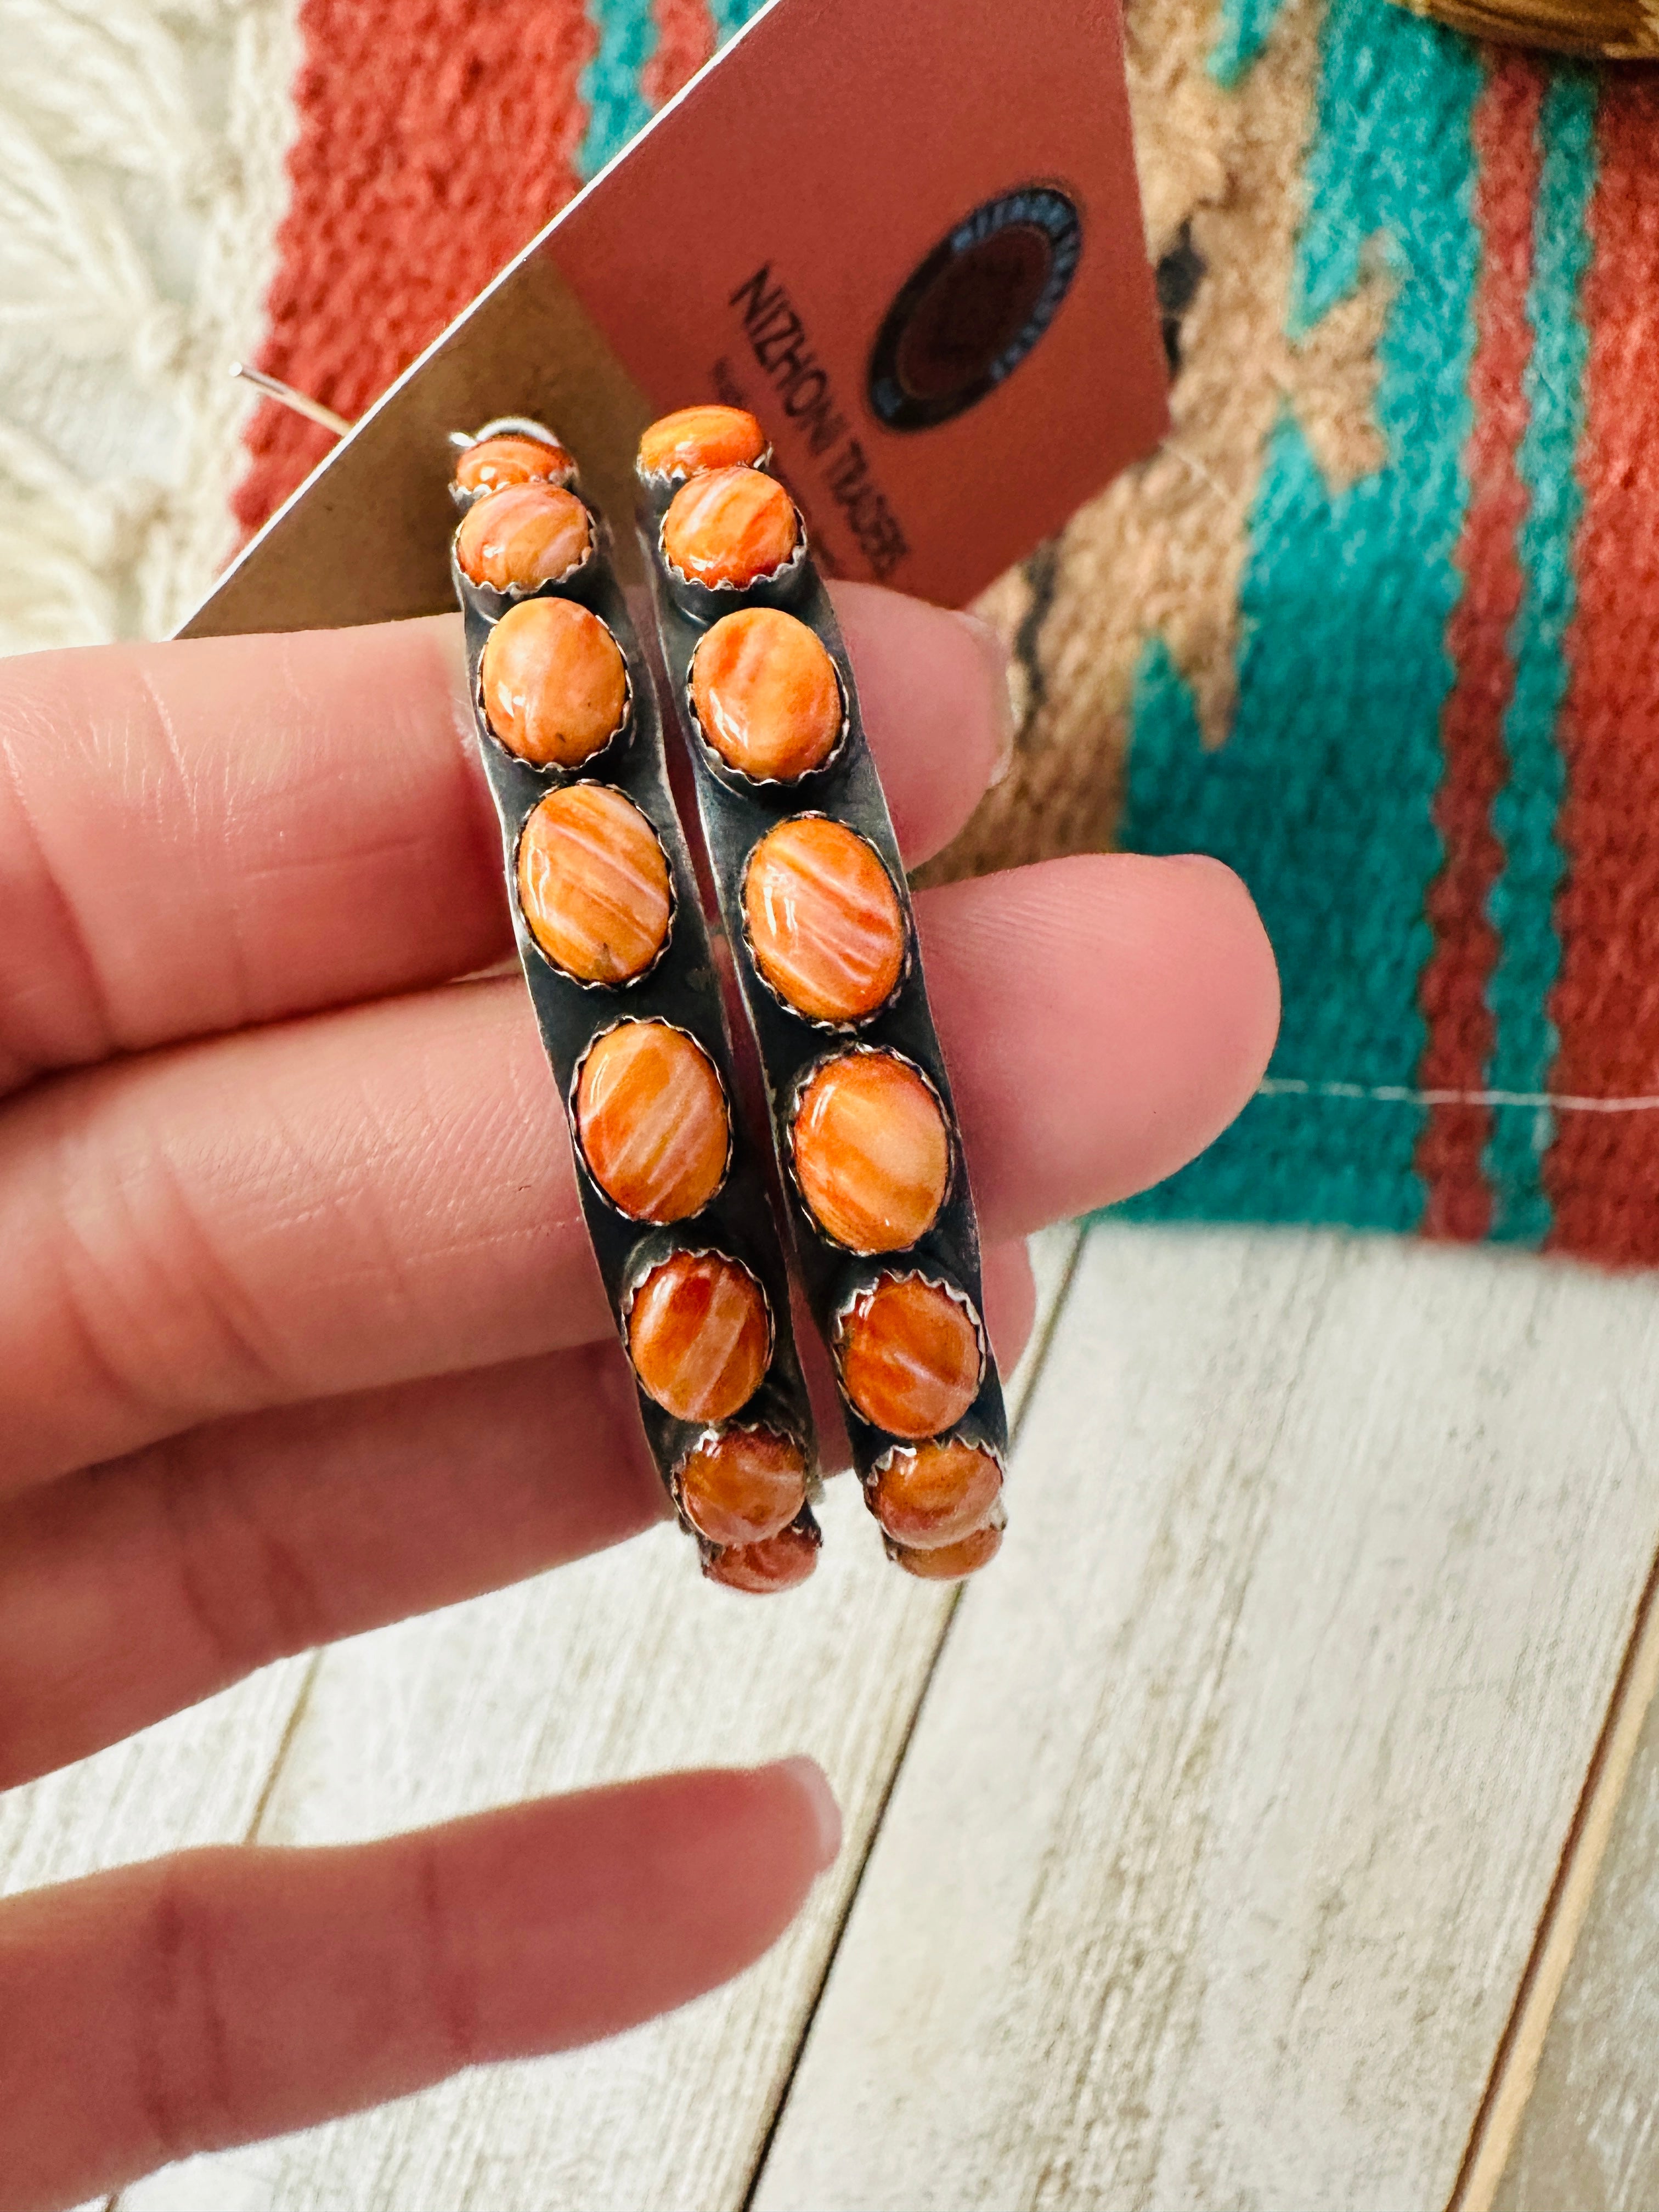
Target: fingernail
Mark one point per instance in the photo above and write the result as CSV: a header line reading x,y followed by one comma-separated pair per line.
x,y
998,667
826,1814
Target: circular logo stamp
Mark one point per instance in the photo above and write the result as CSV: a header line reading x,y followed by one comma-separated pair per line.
x,y
975,307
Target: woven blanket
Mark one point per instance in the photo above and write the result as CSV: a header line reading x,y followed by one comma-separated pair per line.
x,y
1378,625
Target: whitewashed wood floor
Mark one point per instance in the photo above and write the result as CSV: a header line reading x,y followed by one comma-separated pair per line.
x,y
1225,1846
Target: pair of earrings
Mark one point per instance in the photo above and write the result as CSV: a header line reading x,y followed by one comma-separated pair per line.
x,y
691,1229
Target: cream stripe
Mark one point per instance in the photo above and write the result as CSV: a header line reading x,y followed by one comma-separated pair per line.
x,y
665,1130
893,1134
852,938
719,1340
898,1360
852,943
589,866
830,882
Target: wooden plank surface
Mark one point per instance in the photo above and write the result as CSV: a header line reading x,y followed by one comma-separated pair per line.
x,y
1223,1835
621,1666
1223,1838
199,1777
1588,2139
1573,1893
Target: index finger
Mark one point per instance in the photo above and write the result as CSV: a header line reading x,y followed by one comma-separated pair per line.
x,y
197,837
222,1994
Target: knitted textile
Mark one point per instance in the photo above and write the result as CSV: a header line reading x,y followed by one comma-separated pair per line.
x,y
1376,626
142,144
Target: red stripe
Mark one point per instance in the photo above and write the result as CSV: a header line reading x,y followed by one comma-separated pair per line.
x,y
434,140
685,41
1602,1173
1452,991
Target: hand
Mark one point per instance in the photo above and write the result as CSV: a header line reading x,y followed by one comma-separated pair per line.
x,y
299,1332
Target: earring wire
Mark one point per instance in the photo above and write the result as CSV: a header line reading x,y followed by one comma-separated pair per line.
x,y
300,401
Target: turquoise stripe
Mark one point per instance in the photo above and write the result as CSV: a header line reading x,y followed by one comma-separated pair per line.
x,y
1524,814
616,108
1321,796
1246,26
730,15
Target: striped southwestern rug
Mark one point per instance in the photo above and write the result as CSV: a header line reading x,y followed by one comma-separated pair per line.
x,y
1379,626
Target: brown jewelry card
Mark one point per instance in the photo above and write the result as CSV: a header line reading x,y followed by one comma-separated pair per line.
x,y
905,233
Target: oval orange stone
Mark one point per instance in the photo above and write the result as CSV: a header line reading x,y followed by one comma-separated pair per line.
x,y
511,458
740,1485
554,681
651,1118
778,1564
935,1495
766,694
526,535
872,1152
700,1335
694,438
910,1356
949,1563
731,526
593,884
823,920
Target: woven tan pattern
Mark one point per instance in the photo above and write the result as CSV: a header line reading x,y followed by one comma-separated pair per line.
x,y
1161,550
